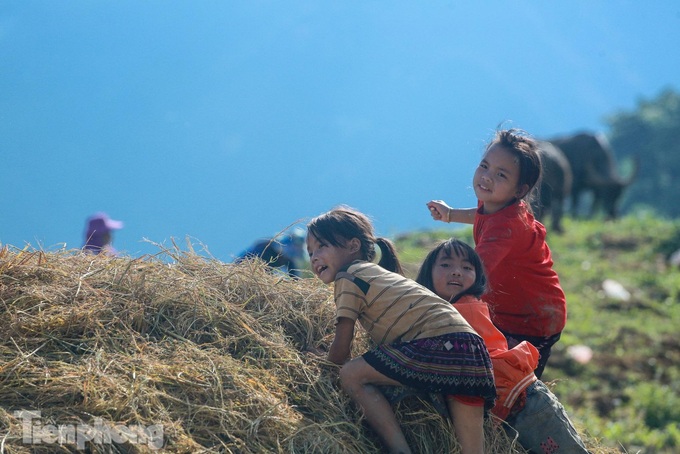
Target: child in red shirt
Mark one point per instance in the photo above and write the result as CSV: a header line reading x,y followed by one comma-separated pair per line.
x,y
454,271
525,296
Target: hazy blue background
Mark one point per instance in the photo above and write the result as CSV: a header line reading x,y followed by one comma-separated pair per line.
x,y
229,120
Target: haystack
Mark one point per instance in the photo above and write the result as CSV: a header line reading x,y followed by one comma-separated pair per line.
x,y
179,353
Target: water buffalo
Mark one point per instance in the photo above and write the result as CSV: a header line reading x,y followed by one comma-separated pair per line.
x,y
555,185
594,169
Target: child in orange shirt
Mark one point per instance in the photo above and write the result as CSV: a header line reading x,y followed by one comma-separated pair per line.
x,y
454,271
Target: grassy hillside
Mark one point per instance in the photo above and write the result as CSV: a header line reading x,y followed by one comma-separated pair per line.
x,y
189,354
628,394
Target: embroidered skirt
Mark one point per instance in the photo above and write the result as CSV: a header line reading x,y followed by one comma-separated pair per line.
x,y
452,364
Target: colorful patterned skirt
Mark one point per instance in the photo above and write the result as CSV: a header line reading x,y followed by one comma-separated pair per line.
x,y
452,364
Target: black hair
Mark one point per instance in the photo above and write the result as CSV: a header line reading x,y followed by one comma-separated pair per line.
x,y
450,247
341,224
526,149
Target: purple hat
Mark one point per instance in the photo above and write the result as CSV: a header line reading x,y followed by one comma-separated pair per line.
x,y
100,223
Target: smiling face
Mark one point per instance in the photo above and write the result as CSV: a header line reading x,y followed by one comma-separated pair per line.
x,y
496,179
452,274
327,260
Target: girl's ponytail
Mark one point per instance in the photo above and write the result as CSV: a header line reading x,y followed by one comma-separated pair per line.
x,y
388,256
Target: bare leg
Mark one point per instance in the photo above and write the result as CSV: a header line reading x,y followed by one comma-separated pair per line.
x,y
468,423
358,379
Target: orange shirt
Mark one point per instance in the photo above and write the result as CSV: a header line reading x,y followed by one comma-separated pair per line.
x,y
513,369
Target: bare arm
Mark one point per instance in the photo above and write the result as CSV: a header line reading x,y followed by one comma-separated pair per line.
x,y
440,211
339,352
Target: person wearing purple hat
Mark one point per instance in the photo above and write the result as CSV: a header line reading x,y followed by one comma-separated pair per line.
x,y
98,236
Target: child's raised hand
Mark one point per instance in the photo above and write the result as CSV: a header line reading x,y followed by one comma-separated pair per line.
x,y
438,210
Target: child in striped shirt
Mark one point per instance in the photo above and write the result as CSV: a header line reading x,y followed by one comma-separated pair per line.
x,y
422,341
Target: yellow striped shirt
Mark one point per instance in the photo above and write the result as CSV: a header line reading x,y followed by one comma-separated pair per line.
x,y
391,307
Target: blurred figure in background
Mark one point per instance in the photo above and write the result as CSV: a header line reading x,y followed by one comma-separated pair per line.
x,y
285,253
98,234
295,248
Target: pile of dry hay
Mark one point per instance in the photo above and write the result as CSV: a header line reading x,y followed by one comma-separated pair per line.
x,y
182,352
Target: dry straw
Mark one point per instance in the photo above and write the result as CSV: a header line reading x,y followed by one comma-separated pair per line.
x,y
213,353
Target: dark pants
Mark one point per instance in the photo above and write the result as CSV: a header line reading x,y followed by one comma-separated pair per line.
x,y
542,344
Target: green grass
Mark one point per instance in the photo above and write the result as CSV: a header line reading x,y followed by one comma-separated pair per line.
x,y
628,395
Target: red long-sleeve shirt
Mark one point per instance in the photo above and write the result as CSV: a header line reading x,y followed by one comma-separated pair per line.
x,y
525,295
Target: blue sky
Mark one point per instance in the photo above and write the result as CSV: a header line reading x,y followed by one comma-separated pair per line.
x,y
227,121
